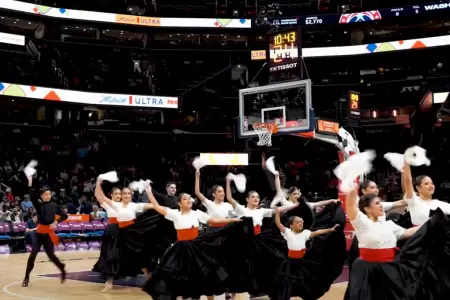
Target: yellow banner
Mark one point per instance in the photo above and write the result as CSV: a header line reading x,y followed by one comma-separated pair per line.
x,y
136,20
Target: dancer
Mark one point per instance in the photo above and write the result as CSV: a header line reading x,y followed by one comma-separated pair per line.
x,y
421,204
302,273
192,266
45,236
138,247
375,275
217,208
256,264
368,187
107,264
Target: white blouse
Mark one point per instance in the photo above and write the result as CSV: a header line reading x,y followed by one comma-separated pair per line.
x,y
387,206
186,220
256,214
127,213
218,210
376,235
111,212
296,241
420,209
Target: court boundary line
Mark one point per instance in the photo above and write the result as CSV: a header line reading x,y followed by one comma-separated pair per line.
x,y
6,290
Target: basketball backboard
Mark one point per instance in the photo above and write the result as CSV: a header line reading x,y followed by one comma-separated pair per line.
x,y
287,104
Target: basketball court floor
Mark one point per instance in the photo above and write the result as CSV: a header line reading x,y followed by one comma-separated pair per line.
x,y
81,284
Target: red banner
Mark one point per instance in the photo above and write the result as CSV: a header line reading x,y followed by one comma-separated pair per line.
x,y
78,218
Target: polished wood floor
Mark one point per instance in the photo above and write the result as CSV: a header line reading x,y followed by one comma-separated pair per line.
x,y
12,270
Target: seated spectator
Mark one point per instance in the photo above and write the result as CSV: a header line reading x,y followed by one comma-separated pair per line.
x,y
97,213
26,205
31,228
16,216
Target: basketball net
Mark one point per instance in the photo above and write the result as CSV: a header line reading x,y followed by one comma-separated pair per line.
x,y
264,131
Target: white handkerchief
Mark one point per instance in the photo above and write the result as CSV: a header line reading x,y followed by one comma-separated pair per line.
x,y
357,165
416,156
134,186
30,170
198,163
347,186
110,176
397,160
239,180
277,199
270,165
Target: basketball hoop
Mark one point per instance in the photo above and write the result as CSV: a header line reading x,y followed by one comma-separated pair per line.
x,y
264,131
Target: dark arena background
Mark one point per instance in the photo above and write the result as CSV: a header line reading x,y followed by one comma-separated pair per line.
x,y
145,86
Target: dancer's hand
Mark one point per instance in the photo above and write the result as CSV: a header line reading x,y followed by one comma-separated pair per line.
x,y
337,201
237,220
197,173
53,225
335,226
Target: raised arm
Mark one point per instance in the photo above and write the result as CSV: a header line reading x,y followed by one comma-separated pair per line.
x,y
407,180
323,231
160,209
399,204
199,195
278,220
230,199
214,221
351,205
100,196
33,195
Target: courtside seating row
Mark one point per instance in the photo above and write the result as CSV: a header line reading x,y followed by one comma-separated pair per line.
x,y
64,230
66,245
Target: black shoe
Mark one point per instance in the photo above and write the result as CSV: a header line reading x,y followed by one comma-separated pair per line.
x,y
25,282
63,274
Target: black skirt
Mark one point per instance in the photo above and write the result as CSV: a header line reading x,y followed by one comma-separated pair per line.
x,y
312,276
411,275
199,267
143,243
108,262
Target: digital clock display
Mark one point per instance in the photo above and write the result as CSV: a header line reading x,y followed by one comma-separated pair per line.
x,y
283,48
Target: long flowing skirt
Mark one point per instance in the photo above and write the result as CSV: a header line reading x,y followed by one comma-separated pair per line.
x,y
201,266
143,243
108,262
409,276
312,276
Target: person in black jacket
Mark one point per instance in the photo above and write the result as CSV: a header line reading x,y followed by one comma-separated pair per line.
x,y
169,199
48,215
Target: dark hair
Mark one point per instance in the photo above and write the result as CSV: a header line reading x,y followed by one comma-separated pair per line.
x,y
251,192
127,188
168,184
366,201
44,189
364,185
418,181
290,221
214,189
34,215
181,195
115,189
292,189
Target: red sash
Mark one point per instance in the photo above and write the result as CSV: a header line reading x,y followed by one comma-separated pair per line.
x,y
45,229
187,234
113,220
377,255
257,229
296,253
123,224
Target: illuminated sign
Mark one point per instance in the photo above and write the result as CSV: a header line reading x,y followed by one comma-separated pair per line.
x,y
353,102
225,159
51,94
259,55
94,16
12,39
327,127
283,48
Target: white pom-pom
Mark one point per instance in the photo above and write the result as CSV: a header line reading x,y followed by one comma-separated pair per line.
x,y
134,186
357,165
270,165
416,156
397,160
230,176
241,182
30,170
347,186
110,176
198,163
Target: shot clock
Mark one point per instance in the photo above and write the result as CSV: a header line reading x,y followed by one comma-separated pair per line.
x,y
284,53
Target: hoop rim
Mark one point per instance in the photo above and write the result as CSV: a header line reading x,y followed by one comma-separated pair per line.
x,y
270,126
